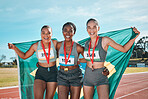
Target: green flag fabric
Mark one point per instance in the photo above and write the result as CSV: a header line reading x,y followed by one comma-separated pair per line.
x,y
116,62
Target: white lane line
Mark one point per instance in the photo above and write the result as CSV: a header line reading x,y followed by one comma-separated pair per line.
x,y
16,86
142,78
9,92
132,83
131,93
8,87
10,98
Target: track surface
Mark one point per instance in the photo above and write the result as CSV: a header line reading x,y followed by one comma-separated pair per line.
x,y
131,86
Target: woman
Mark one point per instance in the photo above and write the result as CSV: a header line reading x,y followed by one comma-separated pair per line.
x,y
46,75
70,75
95,54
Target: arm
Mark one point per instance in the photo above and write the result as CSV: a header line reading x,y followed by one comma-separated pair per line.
x,y
80,50
55,45
121,48
58,47
23,55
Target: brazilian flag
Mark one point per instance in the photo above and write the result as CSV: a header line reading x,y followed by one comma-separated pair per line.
x,y
116,62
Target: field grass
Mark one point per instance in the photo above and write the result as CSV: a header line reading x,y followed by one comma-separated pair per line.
x,y
9,76
135,69
136,59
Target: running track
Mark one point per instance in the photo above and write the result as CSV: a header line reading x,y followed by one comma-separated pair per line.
x,y
131,86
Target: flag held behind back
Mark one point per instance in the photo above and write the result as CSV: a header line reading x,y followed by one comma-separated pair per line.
x,y
116,62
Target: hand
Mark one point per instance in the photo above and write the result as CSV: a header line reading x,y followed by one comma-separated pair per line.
x,y
105,71
135,30
37,64
11,46
78,62
82,60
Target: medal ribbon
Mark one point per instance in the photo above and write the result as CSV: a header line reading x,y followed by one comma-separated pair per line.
x,y
47,57
66,59
92,60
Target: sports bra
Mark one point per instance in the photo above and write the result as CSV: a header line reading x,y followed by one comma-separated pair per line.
x,y
41,56
73,57
99,53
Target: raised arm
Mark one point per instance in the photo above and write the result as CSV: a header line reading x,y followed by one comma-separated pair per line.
x,y
119,47
21,54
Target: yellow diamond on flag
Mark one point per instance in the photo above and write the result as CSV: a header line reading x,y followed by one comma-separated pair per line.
x,y
33,72
110,67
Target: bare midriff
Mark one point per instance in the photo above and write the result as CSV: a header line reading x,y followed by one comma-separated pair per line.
x,y
47,65
96,65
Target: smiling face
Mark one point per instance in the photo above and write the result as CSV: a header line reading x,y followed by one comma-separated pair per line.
x,y
68,32
92,29
46,34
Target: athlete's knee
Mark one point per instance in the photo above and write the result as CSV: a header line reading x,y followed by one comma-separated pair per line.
x,y
38,96
49,96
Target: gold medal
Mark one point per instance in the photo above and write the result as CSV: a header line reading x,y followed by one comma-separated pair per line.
x,y
65,69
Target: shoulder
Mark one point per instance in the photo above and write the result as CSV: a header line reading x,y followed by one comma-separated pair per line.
x,y
87,41
34,46
54,41
106,39
59,44
79,47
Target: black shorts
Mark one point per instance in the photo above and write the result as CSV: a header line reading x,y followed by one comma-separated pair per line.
x,y
70,77
47,74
